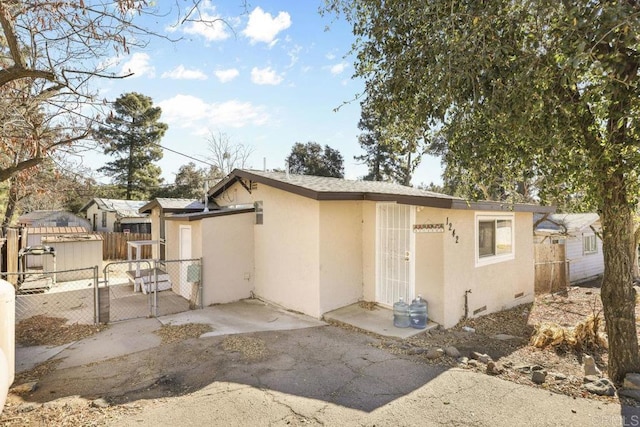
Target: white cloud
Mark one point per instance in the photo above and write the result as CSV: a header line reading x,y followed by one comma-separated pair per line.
x,y
186,111
338,68
294,54
265,76
181,73
227,75
262,27
139,65
208,24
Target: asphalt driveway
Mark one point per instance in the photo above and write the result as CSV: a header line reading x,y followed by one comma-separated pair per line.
x,y
305,373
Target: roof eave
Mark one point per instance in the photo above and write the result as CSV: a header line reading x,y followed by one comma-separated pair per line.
x,y
500,206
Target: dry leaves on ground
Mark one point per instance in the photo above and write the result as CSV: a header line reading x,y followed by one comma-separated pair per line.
x,y
175,333
249,347
45,330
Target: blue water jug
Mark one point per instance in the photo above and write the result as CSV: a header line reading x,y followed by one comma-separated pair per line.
x,y
401,314
418,313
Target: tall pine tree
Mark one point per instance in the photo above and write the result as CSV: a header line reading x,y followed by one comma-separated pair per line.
x,y
132,134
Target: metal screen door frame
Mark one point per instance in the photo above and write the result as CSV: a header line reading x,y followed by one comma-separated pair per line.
x,y
395,253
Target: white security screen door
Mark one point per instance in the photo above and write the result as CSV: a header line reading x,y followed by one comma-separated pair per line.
x,y
185,253
395,253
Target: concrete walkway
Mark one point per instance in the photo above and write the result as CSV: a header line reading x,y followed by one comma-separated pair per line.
x,y
376,319
132,336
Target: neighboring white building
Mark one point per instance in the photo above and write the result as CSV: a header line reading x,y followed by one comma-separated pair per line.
x,y
314,244
52,218
111,215
580,233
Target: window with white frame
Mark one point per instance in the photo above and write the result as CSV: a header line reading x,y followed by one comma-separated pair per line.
x,y
104,219
495,238
259,212
589,244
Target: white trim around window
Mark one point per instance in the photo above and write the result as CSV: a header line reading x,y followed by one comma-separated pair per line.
x,y
589,244
495,238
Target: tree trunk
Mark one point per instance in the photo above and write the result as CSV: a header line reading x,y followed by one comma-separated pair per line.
x,y
636,242
10,208
618,295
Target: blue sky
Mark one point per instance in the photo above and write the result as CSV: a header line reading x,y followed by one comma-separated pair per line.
x,y
268,78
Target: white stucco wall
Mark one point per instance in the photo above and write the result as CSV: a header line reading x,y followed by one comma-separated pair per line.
x,y
313,256
286,247
495,285
369,251
429,263
340,254
228,267
176,273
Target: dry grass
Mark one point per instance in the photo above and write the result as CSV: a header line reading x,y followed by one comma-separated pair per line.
x,y
584,336
249,347
44,330
176,333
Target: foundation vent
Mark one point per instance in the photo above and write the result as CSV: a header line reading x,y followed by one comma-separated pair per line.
x,y
479,310
518,295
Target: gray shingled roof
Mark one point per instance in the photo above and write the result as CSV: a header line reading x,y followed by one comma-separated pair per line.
x,y
566,223
122,208
37,215
323,188
323,184
169,204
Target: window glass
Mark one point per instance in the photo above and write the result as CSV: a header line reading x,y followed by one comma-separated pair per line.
x,y
486,238
259,212
503,236
589,245
104,219
495,238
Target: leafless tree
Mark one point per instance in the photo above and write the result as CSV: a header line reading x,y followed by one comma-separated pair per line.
x,y
225,155
50,52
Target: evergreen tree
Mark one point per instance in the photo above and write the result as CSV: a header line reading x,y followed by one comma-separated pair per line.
x,y
312,159
390,153
132,134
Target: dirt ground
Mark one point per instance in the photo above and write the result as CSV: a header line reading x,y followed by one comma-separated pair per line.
x,y
505,337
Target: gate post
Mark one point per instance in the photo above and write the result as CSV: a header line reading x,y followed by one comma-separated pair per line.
x,y
102,298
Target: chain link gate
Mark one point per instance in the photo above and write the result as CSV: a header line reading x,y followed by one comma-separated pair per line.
x,y
148,288
121,290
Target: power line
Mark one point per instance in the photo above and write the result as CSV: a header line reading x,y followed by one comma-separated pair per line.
x,y
92,120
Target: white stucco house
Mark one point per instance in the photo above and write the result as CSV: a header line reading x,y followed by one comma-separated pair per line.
x,y
580,234
115,215
314,244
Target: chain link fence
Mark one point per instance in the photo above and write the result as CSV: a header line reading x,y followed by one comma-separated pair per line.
x,y
67,294
119,291
149,288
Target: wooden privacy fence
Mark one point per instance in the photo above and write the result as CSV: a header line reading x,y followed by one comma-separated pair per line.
x,y
114,245
551,268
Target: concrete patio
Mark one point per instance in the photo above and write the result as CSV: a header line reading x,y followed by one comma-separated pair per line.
x,y
376,319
